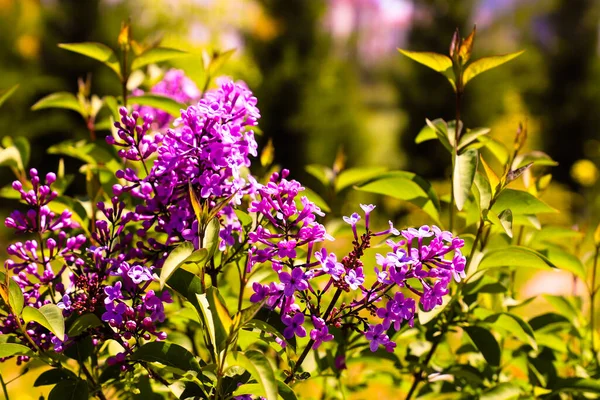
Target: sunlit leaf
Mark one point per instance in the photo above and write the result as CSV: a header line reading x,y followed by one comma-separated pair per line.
x,y
502,391
441,129
14,294
514,325
565,260
314,197
406,186
536,157
59,100
185,252
260,369
13,349
470,136
354,176
437,62
570,385
97,51
465,167
520,202
486,63
155,55
426,316
216,316
515,256
49,316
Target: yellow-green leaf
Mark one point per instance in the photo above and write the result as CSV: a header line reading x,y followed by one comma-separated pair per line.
x,y
486,63
59,100
49,316
155,55
5,94
435,61
97,51
164,103
465,167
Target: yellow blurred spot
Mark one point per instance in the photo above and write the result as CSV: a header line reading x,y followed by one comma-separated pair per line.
x,y
5,5
28,46
584,172
263,27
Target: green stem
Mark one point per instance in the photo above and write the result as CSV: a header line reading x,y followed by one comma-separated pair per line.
x,y
418,377
593,291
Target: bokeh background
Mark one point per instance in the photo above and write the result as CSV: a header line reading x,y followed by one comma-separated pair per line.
x,y
328,78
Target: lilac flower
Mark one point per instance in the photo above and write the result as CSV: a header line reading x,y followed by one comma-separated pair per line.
x,y
260,292
367,208
321,333
354,278
114,313
294,281
294,326
139,274
113,292
377,336
352,221
329,264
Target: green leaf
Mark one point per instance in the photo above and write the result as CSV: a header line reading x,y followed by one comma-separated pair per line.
x,y
186,284
354,176
465,167
437,62
13,349
90,153
514,325
5,94
565,261
259,368
536,157
486,344
164,103
496,148
22,144
11,157
59,100
520,203
502,391
14,295
155,55
216,317
484,189
322,173
83,323
470,136
70,390
569,385
54,376
49,316
486,284
97,51
485,64
506,222
181,254
515,256
406,186
169,354
425,134
441,129
285,391
211,237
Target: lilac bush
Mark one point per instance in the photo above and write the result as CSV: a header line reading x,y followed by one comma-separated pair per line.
x,y
190,271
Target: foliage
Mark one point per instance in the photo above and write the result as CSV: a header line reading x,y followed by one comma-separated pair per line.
x,y
188,272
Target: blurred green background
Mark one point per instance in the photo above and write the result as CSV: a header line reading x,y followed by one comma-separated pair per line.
x,y
328,77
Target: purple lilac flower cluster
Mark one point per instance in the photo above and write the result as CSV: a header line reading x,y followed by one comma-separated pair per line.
x,y
174,85
423,264
38,263
208,149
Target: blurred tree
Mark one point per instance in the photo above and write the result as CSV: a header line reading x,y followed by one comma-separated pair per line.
x,y
569,106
